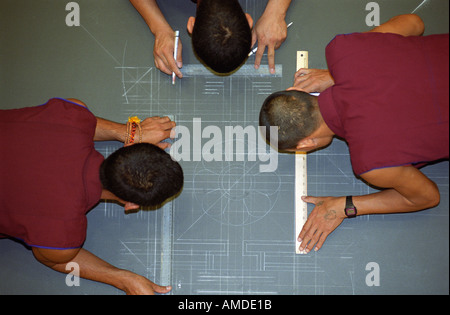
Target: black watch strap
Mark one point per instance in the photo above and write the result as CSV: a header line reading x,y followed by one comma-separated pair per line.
x,y
350,209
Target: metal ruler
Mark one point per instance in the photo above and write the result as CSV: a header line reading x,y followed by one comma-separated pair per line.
x,y
193,70
166,244
166,236
301,208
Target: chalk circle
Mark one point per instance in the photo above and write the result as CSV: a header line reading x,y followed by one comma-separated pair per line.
x,y
235,193
234,184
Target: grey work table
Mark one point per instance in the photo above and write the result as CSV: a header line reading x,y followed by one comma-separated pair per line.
x,y
232,228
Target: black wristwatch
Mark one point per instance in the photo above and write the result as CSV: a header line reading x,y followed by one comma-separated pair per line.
x,y
350,209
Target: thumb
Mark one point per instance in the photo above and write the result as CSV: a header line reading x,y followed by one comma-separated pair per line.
x,y
161,289
309,199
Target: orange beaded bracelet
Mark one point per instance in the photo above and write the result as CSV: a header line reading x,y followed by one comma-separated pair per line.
x,y
133,124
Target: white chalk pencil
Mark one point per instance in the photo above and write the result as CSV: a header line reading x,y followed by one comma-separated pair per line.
x,y
175,53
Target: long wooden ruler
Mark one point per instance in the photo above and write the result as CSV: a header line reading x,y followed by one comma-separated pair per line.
x,y
301,208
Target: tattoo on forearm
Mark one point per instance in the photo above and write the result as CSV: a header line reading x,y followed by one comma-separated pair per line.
x,y
319,203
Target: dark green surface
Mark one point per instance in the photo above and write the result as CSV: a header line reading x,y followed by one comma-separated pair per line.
x,y
227,243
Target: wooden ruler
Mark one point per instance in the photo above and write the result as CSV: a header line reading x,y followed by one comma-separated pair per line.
x,y
301,210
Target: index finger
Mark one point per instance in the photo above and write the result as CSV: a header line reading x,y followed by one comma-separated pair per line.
x,y
271,57
259,54
169,125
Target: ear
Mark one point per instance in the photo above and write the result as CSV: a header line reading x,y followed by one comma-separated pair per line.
x,y
249,19
190,24
306,145
130,206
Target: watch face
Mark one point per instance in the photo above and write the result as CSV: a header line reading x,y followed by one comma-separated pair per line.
x,y
350,212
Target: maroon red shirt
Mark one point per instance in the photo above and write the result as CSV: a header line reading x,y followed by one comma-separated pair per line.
x,y
390,101
49,173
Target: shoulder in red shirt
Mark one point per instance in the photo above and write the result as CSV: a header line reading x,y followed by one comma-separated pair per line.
x,y
50,173
390,101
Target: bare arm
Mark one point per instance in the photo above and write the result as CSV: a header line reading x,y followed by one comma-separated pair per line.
x,y
316,80
96,269
154,129
270,31
406,190
164,37
152,15
405,25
